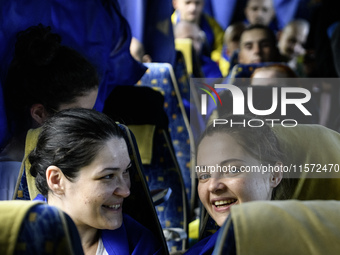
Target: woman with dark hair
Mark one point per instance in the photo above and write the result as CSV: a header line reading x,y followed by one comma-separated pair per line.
x,y
44,77
237,163
81,164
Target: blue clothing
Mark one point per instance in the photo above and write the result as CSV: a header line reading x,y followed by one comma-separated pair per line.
x,y
209,68
222,11
41,198
205,246
150,22
131,238
285,11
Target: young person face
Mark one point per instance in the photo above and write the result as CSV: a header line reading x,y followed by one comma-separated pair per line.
x,y
95,198
256,47
189,10
219,190
259,12
292,40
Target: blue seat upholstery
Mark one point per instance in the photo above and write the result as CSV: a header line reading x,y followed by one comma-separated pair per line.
x,y
163,172
144,114
182,77
245,71
161,77
37,229
140,193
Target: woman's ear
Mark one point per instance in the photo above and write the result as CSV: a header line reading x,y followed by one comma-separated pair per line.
x,y
38,113
276,175
55,180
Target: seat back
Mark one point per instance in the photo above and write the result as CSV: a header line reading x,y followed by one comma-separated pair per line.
x,y
314,151
144,114
25,187
308,227
183,79
161,77
36,228
184,45
239,71
139,204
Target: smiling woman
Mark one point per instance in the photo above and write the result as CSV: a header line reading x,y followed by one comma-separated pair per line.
x,y
81,165
236,164
219,190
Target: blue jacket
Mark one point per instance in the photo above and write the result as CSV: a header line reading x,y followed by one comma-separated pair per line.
x,y
131,238
205,246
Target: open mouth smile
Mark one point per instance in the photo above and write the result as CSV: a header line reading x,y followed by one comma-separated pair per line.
x,y
223,205
112,207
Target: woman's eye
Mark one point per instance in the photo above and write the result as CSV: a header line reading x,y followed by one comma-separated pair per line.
x,y
248,46
107,177
234,170
204,176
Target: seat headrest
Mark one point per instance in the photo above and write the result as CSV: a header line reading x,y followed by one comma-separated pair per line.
x,y
287,227
305,145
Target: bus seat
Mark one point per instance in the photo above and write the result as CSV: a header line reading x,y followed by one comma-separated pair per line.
x,y
145,116
182,77
305,145
281,227
36,228
140,193
246,70
161,77
184,45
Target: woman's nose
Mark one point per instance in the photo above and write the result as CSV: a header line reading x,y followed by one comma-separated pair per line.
x,y
123,188
216,184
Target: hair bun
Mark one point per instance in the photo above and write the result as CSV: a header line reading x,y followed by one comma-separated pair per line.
x,y
36,45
